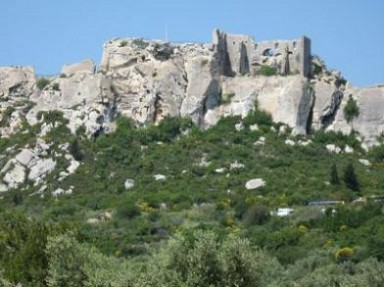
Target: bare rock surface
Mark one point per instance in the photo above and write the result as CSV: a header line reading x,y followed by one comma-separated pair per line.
x,y
254,183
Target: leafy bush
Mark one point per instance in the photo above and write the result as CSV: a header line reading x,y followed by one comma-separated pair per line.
x,y
42,83
56,87
123,43
226,98
257,214
317,69
75,150
5,117
351,110
344,253
350,178
333,175
267,71
22,250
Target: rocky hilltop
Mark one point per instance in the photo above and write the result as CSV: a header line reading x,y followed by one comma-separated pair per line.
x,y
149,80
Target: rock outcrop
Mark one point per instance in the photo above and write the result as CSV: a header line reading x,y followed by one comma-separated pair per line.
x,y
149,80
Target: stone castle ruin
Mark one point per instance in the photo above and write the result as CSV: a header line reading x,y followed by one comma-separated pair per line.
x,y
243,55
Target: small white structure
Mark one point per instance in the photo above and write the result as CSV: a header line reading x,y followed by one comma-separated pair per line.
x,y
283,212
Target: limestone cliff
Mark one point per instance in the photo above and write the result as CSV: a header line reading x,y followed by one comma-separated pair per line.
x,y
149,80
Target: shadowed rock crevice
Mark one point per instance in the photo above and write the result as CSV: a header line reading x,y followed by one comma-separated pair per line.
x,y
330,111
305,110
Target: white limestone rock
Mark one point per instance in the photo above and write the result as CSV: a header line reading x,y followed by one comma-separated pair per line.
x,y
61,191
3,187
370,122
42,147
260,141
129,183
73,166
87,66
41,169
93,221
220,170
304,143
16,82
239,126
365,162
287,99
290,142
15,176
159,177
236,165
254,183
203,162
348,149
333,148
26,157
254,127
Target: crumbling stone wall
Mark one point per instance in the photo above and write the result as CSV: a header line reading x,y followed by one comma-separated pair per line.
x,y
241,54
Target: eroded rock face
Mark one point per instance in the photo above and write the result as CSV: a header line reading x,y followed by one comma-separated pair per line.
x,y
16,82
369,124
149,80
85,99
286,98
86,66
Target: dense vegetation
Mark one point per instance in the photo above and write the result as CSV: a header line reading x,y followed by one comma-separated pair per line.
x,y
199,226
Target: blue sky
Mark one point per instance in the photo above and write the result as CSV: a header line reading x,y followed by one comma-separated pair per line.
x,y
347,34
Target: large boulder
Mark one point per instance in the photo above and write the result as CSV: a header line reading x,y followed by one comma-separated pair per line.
x,y
41,169
15,175
16,82
254,183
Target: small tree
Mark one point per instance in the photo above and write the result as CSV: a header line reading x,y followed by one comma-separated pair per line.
x,y
350,178
351,110
42,83
333,175
75,150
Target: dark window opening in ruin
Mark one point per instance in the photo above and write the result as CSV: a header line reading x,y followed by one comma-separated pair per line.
x,y
255,46
269,52
276,45
294,44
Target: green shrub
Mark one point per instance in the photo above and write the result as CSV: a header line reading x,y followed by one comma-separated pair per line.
x,y
350,178
123,43
56,87
22,249
5,117
75,150
340,82
267,71
42,83
351,110
317,69
226,98
333,175
257,214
